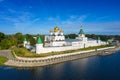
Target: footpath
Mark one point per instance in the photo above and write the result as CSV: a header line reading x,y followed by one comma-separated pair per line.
x,y
43,61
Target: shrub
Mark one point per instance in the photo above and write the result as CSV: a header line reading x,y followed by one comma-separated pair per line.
x,y
3,60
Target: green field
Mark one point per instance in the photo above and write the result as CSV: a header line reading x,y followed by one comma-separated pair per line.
x,y
3,60
26,53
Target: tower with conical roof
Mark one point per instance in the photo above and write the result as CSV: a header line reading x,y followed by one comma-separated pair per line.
x,y
81,37
81,33
39,45
25,42
99,40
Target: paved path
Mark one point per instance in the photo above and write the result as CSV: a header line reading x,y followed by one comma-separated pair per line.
x,y
6,53
33,62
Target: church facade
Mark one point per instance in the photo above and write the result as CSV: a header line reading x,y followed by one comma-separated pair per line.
x,y
56,41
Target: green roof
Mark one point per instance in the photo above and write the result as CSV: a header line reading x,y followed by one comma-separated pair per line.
x,y
68,37
81,31
39,41
25,39
98,37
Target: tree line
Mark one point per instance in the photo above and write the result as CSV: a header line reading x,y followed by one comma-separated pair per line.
x,y
94,36
16,40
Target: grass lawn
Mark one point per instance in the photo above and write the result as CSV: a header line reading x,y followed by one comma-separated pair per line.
x,y
26,53
3,60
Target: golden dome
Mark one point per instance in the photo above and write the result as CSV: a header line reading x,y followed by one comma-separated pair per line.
x,y
51,30
61,30
56,29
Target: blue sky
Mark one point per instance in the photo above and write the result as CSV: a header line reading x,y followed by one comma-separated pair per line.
x,y
39,16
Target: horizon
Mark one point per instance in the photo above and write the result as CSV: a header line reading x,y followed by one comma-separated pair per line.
x,y
39,16
66,34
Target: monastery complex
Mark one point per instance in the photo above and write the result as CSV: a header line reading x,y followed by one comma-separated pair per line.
x,y
56,41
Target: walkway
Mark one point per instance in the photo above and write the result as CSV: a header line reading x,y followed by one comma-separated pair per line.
x,y
32,62
6,53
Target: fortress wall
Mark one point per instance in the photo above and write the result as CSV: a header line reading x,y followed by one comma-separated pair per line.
x,y
55,49
64,48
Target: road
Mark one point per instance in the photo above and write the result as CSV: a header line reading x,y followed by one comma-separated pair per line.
x,y
6,53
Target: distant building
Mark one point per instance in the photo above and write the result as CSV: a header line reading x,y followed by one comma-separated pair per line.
x,y
56,42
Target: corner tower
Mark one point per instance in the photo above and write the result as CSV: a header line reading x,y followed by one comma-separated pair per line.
x,y
25,42
39,45
99,40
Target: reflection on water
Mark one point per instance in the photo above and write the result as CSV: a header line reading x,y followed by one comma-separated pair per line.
x,y
92,68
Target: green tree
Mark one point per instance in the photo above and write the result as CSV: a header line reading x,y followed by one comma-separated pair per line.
x,y
30,39
19,38
72,36
8,42
2,36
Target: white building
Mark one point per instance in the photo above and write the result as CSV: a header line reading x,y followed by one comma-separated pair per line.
x,y
56,38
56,42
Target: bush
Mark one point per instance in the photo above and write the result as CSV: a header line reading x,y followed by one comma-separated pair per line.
x,y
20,52
3,60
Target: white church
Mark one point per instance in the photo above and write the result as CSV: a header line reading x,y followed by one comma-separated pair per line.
x,y
56,41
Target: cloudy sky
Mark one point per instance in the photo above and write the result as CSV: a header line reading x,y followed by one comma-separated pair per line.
x,y
39,16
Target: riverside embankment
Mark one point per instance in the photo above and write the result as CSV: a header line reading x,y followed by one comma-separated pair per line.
x,y
43,61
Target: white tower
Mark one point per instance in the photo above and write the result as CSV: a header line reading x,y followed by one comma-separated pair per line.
x,y
56,29
81,33
99,41
51,32
61,32
39,46
56,33
81,36
24,42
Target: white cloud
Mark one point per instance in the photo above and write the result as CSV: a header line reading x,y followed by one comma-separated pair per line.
x,y
21,26
35,20
106,27
21,22
26,23
73,23
82,18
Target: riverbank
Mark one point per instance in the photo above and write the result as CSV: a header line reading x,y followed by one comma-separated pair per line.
x,y
43,61
23,52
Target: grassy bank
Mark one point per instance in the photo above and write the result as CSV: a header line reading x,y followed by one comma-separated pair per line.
x,y
25,53
3,60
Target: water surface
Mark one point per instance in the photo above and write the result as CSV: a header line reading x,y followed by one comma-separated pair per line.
x,y
92,68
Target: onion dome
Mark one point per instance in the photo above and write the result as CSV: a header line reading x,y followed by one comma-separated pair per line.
x,y
39,41
51,30
61,30
56,29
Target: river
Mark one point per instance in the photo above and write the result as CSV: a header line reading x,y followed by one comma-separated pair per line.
x,y
92,68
